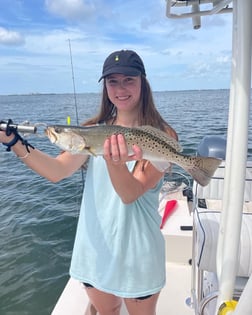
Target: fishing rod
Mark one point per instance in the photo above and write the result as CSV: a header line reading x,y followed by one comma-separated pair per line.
x,y
75,102
74,89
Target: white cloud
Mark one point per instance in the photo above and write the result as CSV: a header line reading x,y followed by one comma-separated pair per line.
x,y
175,55
224,59
9,38
70,9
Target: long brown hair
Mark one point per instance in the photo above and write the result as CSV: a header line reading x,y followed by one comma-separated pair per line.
x,y
148,113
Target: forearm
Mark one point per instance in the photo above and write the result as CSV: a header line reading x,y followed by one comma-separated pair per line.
x,y
125,184
52,168
39,162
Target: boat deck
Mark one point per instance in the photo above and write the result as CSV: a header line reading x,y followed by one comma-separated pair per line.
x,y
172,300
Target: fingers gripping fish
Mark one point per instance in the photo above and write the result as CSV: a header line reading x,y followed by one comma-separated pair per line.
x,y
156,145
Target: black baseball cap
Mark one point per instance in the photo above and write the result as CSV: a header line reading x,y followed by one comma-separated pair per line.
x,y
125,62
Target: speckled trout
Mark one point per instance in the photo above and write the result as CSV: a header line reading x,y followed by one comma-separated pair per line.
x,y
156,145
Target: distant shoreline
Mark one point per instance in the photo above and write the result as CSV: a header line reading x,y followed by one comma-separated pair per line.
x,y
97,93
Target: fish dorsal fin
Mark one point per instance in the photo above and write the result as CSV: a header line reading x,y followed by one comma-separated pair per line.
x,y
163,136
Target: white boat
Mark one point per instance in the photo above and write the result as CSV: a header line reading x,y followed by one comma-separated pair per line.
x,y
209,233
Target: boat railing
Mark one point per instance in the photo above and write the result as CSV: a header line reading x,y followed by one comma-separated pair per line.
x,y
204,286
195,9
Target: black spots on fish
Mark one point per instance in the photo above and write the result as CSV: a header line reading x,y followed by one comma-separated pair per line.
x,y
130,137
148,141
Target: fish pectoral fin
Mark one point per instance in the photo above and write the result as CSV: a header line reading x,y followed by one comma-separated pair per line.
x,y
161,166
90,150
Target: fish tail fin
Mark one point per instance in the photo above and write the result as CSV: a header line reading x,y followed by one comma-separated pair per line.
x,y
203,169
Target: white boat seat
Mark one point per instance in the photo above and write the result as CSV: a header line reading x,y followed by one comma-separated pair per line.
x,y
207,229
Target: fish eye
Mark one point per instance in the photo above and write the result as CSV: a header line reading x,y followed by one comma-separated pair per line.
x,y
57,129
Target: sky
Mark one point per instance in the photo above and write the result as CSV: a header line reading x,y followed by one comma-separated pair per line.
x,y
36,37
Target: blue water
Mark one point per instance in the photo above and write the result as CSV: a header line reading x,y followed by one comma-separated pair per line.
x,y
38,219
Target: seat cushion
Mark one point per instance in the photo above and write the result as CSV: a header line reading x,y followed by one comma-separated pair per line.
x,y
207,231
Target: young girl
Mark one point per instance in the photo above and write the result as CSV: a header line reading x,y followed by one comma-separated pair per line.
x,y
119,250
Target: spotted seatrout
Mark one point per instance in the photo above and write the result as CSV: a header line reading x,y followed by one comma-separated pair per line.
x,y
157,146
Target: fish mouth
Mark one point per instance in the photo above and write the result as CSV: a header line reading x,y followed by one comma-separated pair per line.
x,y
51,134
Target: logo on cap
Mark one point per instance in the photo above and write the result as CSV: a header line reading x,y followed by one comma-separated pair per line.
x,y
126,62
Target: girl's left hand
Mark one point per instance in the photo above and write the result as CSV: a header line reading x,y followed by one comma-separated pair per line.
x,y
116,150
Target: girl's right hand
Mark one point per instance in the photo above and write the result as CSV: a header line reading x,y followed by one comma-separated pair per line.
x,y
4,138
116,151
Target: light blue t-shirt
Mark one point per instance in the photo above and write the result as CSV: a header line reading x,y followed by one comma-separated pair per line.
x,y
119,248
